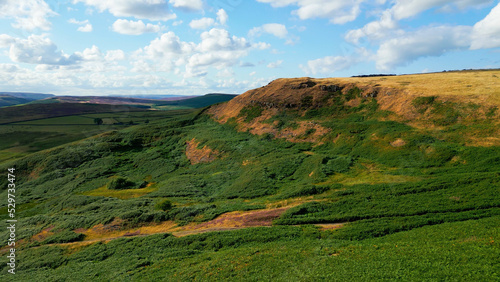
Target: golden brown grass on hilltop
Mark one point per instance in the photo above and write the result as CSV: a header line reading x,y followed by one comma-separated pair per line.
x,y
476,94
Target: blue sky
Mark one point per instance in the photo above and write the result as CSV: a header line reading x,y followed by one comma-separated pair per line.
x,y
191,47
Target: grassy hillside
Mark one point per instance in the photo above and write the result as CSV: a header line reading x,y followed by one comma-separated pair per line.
x,y
6,100
197,102
293,181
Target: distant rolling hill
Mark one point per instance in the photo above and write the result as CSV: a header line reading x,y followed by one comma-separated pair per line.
x,y
68,105
178,102
27,95
6,100
97,100
17,98
199,102
41,111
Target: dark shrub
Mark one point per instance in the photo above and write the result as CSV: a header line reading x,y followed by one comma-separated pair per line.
x,y
120,183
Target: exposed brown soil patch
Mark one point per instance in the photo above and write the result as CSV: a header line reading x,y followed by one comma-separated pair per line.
x,y
44,234
398,143
225,222
240,219
203,155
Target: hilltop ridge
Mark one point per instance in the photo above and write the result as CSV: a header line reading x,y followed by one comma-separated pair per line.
x,y
432,101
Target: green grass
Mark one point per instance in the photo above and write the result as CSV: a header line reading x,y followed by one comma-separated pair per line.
x,y
280,254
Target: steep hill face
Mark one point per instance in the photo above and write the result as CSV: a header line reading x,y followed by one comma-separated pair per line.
x,y
433,102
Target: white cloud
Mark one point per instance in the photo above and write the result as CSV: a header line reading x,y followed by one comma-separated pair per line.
x,y
9,68
27,14
276,64
486,33
338,12
85,25
328,65
217,49
275,29
6,40
38,49
387,26
74,21
228,72
408,8
115,55
222,16
246,64
169,46
203,23
429,41
375,30
261,45
90,54
220,40
187,5
134,27
154,10
85,28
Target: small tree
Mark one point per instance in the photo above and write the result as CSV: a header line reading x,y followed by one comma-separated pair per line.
x,y
98,121
120,183
164,205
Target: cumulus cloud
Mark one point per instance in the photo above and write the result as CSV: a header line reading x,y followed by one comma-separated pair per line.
x,y
9,68
275,29
6,40
187,5
387,26
115,55
85,28
134,27
408,8
222,16
338,12
203,23
217,48
38,49
328,65
276,64
375,30
429,41
154,10
486,33
27,14
168,45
